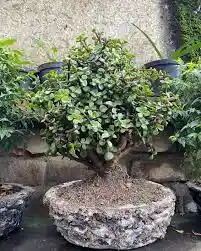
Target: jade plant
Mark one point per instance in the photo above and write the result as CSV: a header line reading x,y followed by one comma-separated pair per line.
x,y
101,105
15,119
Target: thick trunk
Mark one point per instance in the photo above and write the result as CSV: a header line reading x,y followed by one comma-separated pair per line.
x,y
115,171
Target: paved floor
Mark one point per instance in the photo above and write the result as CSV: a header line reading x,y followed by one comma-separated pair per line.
x,y
38,234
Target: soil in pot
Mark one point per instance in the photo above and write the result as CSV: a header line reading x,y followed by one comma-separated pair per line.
x,y
111,214
111,194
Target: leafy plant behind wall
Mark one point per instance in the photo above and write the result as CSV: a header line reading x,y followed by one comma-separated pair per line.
x,y
186,49
14,115
188,121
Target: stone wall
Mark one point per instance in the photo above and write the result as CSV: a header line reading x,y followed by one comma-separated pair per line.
x,y
59,22
20,168
41,171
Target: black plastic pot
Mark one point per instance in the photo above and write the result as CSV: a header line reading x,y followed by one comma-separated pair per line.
x,y
46,68
170,67
28,80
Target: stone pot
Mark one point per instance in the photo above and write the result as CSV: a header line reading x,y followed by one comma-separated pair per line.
x,y
12,207
123,227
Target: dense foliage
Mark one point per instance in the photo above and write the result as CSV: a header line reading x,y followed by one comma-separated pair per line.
x,y
190,24
101,103
14,116
188,121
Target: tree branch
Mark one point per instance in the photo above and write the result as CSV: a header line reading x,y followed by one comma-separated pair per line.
x,y
123,143
98,164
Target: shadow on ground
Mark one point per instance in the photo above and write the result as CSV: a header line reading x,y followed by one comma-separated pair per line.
x,y
39,234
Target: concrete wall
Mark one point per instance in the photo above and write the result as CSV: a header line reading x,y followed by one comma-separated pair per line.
x,y
60,21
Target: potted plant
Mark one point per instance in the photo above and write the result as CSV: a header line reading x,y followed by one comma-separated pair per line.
x,y
53,65
14,121
187,123
97,109
172,64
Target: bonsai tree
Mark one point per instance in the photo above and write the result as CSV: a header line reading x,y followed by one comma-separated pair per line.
x,y
101,105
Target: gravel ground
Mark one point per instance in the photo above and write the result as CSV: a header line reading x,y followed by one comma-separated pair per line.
x,y
59,22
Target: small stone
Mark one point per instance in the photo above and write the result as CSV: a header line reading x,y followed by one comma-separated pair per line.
x,y
128,185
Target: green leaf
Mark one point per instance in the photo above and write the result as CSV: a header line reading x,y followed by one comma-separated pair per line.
x,y
7,42
83,82
109,156
6,132
109,103
105,135
140,115
182,141
103,108
173,139
53,148
109,144
99,150
150,41
83,128
84,77
199,137
186,49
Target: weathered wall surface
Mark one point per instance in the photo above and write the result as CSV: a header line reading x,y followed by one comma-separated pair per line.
x,y
46,170
60,21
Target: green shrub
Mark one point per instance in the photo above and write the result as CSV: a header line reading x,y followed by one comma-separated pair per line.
x,y
101,103
14,115
188,121
190,25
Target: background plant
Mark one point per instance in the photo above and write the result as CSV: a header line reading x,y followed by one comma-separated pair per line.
x,y
190,25
101,104
15,119
190,47
187,122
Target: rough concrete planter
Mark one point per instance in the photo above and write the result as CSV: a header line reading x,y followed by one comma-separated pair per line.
x,y
12,208
124,227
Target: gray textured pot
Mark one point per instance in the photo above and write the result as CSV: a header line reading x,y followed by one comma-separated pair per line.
x,y
124,227
12,208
